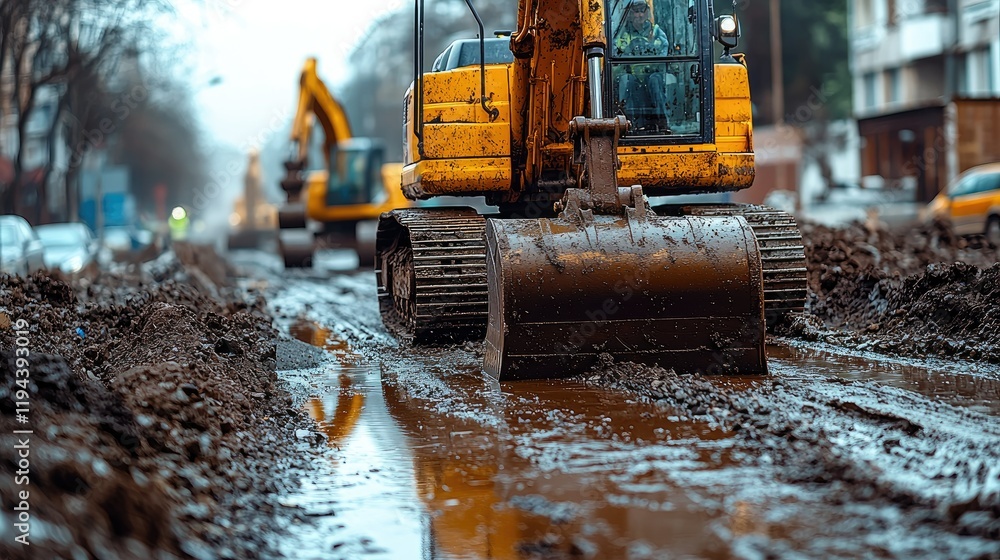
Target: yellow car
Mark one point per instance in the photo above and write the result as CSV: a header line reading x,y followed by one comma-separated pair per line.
x,y
972,203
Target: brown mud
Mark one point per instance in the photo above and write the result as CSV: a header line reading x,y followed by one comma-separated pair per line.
x,y
825,458
920,292
160,428
866,442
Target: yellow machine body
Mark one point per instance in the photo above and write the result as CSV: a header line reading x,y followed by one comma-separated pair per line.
x,y
465,152
317,208
599,105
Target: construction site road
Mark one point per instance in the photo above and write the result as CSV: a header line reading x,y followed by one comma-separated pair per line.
x,y
839,453
189,408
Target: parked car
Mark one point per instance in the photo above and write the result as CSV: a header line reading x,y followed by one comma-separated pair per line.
x,y
972,203
21,251
70,247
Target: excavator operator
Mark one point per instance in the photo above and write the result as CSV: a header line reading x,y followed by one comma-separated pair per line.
x,y
640,88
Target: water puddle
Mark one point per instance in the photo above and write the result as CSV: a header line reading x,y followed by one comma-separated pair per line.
x,y
429,459
959,386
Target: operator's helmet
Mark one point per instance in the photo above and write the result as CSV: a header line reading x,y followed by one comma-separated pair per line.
x,y
630,4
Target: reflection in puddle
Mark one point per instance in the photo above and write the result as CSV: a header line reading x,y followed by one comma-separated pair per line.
x,y
443,465
976,391
431,460
316,335
552,468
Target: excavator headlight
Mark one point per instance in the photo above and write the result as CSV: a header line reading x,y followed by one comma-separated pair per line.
x,y
727,31
727,25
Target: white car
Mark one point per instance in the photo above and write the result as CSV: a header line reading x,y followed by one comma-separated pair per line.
x,y
69,247
21,252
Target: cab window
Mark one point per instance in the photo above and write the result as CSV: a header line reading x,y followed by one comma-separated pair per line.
x,y
349,174
655,66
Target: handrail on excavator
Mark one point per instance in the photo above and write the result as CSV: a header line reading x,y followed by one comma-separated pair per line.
x,y
493,112
418,70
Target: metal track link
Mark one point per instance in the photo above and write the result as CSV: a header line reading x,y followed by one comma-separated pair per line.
x,y
431,271
782,254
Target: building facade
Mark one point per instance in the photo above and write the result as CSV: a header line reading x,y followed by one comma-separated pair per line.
x,y
926,76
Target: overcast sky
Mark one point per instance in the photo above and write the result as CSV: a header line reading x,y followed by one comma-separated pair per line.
x,y
257,48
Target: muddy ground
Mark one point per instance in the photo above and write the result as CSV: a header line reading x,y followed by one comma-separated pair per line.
x,y
169,419
831,456
160,428
918,292
940,465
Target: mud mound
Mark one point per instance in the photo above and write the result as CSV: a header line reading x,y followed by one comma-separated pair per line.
x,y
924,291
156,412
82,490
859,246
950,310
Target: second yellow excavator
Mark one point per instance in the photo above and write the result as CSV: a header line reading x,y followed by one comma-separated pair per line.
x,y
326,206
602,103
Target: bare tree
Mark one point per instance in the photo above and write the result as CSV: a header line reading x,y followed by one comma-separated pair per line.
x,y
74,47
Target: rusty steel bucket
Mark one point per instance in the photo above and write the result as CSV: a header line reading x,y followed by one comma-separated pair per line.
x,y
679,292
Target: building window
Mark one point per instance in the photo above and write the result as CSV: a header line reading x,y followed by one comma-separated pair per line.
x,y
871,90
976,73
936,7
893,79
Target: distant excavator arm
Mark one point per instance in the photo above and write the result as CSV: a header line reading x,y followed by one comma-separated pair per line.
x,y
315,100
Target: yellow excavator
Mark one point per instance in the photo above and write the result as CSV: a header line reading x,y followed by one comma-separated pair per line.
x,y
604,103
325,206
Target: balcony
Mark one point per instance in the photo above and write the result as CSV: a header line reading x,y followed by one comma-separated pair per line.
x,y
920,36
924,36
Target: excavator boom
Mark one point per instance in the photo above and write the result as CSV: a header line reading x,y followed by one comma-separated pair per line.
x,y
315,100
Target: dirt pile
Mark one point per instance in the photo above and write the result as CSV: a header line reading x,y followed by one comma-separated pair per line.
x,y
156,412
923,291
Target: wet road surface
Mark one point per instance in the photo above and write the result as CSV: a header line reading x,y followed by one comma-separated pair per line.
x,y
428,459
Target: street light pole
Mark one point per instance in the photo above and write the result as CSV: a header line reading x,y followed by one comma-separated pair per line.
x,y
777,69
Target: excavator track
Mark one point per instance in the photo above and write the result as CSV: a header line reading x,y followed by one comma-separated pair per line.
x,y
782,252
431,274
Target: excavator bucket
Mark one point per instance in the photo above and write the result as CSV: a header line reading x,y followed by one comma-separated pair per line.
x,y
683,293
607,276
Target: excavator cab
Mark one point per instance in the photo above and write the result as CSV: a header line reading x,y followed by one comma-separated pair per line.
x,y
356,173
